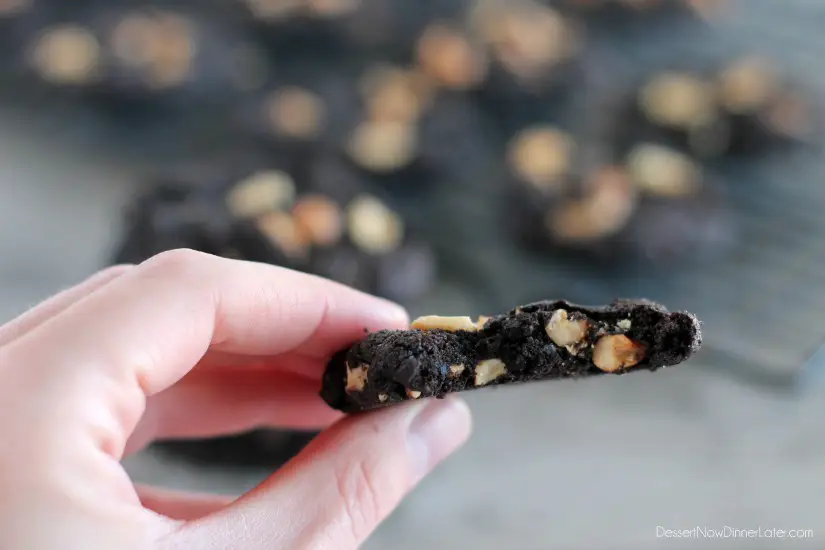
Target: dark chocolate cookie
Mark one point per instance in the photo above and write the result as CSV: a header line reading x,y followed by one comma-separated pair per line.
x,y
540,341
743,106
648,202
279,212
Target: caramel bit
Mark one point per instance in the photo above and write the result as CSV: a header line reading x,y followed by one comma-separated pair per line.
x,y
615,352
489,370
450,324
413,394
373,227
382,146
395,95
566,332
541,156
679,100
319,219
162,45
456,370
260,193
295,112
450,58
357,378
280,228
747,84
606,209
661,170
66,54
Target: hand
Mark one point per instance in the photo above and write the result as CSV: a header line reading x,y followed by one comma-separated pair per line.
x,y
190,345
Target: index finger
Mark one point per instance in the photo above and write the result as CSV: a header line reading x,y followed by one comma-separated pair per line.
x,y
147,329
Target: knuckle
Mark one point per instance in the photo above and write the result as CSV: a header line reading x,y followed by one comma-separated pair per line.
x,y
361,497
177,260
114,271
119,268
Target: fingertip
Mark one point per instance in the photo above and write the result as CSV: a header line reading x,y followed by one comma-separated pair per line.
x,y
437,431
395,314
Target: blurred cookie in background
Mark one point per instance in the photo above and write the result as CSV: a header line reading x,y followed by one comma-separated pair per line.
x,y
652,204
302,102
535,59
742,107
766,110
141,53
276,211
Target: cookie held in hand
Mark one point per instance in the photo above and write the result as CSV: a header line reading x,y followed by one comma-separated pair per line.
x,y
540,341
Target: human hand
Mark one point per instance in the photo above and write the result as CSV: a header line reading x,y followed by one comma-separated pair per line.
x,y
190,345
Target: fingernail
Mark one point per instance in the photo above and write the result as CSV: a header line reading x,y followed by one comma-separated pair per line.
x,y
435,432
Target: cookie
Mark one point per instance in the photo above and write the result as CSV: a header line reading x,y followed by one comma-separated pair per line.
x,y
646,202
743,106
276,212
140,54
765,111
547,340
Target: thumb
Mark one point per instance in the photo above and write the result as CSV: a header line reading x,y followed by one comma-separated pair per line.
x,y
338,489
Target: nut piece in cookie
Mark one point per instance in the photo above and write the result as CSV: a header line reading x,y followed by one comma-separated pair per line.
x,y
356,378
615,352
319,218
260,193
67,55
413,394
541,156
450,58
383,146
489,370
747,85
281,230
373,227
679,100
604,211
663,171
451,324
397,95
296,113
527,38
456,370
566,332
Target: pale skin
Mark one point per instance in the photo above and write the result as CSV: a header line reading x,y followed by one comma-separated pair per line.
x,y
190,345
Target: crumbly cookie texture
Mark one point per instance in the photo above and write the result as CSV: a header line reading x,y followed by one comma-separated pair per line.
x,y
541,341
